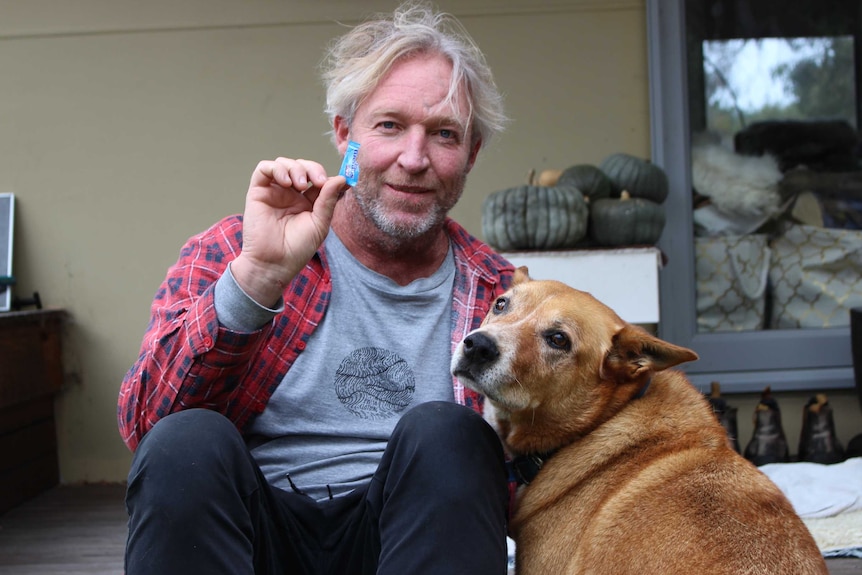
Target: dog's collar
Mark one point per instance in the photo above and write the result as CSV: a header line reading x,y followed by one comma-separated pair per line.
x,y
643,390
525,468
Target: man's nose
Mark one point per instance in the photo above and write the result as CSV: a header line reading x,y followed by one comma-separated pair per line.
x,y
414,155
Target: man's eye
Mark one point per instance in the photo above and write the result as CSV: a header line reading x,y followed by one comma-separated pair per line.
x,y
387,125
449,135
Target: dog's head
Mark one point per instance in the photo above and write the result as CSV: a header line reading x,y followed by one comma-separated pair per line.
x,y
554,363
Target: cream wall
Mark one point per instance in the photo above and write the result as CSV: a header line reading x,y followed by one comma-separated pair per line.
x,y
125,127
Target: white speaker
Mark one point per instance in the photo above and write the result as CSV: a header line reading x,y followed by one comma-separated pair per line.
x,y
7,220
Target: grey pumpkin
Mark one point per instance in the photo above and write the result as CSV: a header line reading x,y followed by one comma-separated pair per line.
x,y
626,221
531,217
589,179
640,177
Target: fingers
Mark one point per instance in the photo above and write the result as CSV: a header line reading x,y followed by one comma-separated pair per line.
x,y
299,175
330,193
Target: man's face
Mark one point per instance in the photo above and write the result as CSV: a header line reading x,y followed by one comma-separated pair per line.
x,y
415,150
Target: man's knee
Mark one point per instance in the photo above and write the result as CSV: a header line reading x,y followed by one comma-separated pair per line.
x,y
441,420
445,431
186,446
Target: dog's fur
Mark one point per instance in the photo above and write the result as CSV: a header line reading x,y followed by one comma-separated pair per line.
x,y
639,482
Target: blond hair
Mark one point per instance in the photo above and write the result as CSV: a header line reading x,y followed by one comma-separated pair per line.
x,y
356,62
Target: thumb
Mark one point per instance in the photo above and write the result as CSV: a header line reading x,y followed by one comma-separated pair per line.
x,y
330,193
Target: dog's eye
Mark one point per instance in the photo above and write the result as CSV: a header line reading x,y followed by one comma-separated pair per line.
x,y
501,304
558,340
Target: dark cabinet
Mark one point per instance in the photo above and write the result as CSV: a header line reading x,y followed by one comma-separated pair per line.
x,y
31,374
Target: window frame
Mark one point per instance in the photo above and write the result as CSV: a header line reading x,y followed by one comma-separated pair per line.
x,y
786,360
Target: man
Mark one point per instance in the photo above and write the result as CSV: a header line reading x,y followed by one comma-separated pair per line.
x,y
291,409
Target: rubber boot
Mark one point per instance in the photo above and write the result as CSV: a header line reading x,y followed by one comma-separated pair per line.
x,y
818,442
768,443
725,414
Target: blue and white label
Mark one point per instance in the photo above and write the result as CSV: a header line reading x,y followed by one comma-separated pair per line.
x,y
349,166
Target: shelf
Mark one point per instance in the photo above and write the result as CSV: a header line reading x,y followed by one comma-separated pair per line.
x,y
624,279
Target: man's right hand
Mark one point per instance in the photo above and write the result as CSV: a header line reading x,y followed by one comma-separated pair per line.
x,y
288,210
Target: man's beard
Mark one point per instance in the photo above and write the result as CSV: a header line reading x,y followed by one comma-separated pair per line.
x,y
374,210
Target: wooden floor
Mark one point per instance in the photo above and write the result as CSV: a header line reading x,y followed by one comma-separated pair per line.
x,y
71,530
82,531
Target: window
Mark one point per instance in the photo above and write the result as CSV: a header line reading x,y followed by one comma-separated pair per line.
x,y
767,85
746,80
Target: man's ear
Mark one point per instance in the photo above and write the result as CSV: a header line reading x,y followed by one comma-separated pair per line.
x,y
341,129
635,353
474,153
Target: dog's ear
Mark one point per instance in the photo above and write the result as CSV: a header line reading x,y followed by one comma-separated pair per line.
x,y
522,274
634,353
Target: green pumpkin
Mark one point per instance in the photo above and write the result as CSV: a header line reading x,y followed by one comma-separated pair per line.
x,y
533,217
640,177
626,221
592,182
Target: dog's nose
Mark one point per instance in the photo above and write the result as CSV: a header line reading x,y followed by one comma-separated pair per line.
x,y
479,348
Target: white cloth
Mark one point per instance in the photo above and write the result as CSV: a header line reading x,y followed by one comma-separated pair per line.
x,y
817,490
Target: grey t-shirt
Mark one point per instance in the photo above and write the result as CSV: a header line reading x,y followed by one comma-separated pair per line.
x,y
380,350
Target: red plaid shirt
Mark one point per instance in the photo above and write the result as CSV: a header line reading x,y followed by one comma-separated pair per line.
x,y
188,359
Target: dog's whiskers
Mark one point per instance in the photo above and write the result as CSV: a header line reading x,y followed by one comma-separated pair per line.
x,y
518,381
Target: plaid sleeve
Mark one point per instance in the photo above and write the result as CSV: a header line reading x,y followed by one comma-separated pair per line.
x,y
187,359
481,276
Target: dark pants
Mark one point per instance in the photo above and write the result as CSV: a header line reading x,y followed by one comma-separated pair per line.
x,y
198,503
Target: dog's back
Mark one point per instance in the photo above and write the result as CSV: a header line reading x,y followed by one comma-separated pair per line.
x,y
657,489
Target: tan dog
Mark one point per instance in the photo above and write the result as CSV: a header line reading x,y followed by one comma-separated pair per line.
x,y
633,472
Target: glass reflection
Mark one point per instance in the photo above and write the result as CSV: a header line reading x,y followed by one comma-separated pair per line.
x,y
775,165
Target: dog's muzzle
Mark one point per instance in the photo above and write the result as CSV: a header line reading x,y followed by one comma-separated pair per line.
x,y
480,349
475,354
